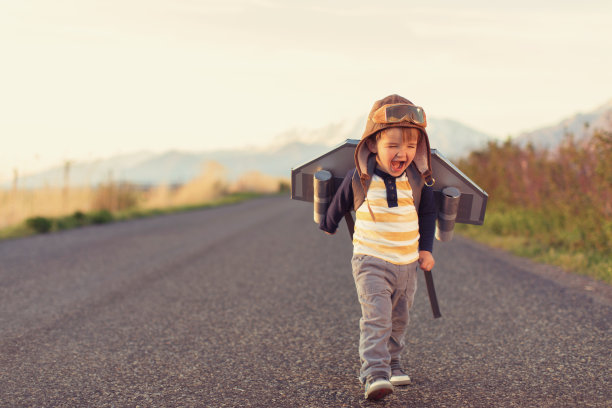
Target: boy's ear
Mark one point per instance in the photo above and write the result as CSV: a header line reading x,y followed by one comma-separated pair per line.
x,y
371,143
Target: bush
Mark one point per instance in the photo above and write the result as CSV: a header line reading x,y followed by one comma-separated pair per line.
x,y
39,224
284,187
79,216
101,217
77,219
65,223
554,205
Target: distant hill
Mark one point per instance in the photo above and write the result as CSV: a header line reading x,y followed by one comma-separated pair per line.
x,y
294,147
581,125
175,167
289,149
452,138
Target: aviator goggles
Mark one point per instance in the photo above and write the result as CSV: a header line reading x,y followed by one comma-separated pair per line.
x,y
400,112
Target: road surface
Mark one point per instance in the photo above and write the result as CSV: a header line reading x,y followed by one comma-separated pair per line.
x,y
250,305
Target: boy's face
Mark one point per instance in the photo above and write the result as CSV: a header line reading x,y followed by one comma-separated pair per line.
x,y
394,153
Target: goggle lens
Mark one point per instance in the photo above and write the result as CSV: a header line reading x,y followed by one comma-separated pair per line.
x,y
399,113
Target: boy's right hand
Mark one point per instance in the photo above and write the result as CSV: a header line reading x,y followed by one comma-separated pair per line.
x,y
426,260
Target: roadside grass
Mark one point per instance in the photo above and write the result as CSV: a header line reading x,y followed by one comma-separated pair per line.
x,y
42,225
548,237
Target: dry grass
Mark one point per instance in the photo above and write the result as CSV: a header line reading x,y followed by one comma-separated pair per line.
x,y
256,182
17,205
210,184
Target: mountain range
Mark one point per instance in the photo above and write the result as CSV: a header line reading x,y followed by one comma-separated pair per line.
x,y
292,148
580,125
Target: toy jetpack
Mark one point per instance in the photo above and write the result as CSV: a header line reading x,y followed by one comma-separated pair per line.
x,y
458,199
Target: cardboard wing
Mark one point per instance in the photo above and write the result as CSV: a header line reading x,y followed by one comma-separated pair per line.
x,y
339,160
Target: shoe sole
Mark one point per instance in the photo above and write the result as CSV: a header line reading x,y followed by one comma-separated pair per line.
x,y
377,394
405,381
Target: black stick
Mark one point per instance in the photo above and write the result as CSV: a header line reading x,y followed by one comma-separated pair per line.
x,y
431,290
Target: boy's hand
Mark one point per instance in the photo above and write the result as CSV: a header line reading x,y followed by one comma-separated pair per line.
x,y
329,233
426,260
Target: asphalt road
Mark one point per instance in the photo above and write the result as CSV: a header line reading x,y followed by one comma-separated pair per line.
x,y
251,306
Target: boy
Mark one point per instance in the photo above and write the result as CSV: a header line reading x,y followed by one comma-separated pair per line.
x,y
390,191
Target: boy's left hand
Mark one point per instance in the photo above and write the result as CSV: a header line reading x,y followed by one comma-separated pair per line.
x,y
426,260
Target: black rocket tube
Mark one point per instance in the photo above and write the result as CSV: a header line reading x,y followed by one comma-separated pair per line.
x,y
447,213
322,188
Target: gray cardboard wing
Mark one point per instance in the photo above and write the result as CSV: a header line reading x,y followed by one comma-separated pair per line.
x,y
340,159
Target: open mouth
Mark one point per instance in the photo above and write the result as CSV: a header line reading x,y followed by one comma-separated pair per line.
x,y
397,165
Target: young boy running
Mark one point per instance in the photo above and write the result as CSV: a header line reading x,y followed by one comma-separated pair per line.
x,y
390,191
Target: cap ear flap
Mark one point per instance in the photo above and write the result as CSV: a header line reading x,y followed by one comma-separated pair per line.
x,y
422,155
420,159
362,152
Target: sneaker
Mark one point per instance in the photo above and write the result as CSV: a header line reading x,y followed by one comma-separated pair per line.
x,y
399,377
378,389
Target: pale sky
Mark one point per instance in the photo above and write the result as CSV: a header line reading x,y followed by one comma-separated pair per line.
x,y
85,79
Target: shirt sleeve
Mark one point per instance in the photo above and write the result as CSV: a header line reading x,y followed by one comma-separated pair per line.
x,y
340,205
427,219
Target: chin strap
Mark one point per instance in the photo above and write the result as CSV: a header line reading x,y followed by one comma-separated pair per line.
x,y
363,178
370,209
429,180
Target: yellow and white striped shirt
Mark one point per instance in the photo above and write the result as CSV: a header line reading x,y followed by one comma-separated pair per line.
x,y
393,234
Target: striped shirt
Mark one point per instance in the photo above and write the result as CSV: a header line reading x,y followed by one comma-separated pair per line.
x,y
393,233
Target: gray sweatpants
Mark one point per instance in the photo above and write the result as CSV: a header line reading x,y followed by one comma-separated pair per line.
x,y
386,293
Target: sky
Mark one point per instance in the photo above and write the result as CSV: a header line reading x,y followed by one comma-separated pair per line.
x,y
88,79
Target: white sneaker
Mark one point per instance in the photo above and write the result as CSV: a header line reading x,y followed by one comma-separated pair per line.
x,y
399,377
378,389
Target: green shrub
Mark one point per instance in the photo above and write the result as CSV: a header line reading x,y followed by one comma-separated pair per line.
x,y
79,216
39,224
284,186
77,219
65,223
101,217
553,206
